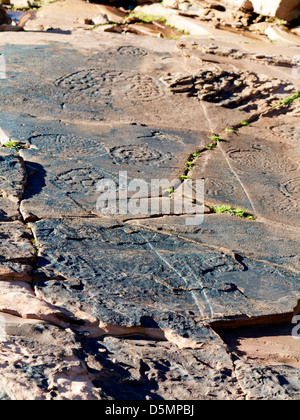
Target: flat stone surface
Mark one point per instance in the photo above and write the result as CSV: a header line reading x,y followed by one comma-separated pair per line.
x,y
65,169
222,186
17,298
15,242
46,359
9,210
134,368
115,81
131,306
13,175
198,283
271,182
15,271
241,236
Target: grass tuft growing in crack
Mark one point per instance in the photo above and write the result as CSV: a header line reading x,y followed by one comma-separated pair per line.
x,y
232,212
215,142
144,18
35,247
289,100
17,146
184,177
190,163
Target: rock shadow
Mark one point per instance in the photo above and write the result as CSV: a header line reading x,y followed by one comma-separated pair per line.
x,y
36,179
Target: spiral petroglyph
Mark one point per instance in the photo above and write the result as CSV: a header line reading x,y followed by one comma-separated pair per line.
x,y
96,83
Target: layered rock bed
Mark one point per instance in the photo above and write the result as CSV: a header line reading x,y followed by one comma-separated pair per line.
x,y
140,305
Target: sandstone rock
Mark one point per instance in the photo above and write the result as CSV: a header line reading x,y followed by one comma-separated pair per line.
x,y
17,298
175,277
15,242
152,369
282,9
108,309
100,19
79,174
15,271
30,14
40,361
113,14
144,29
12,175
279,364
111,27
241,235
21,4
9,210
71,14
189,25
9,28
277,34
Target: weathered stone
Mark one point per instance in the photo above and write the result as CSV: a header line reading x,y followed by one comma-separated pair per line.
x,y
221,185
15,242
183,23
270,183
276,375
41,362
248,94
64,170
104,104
108,84
70,15
10,28
268,383
21,4
136,368
192,281
17,298
189,26
277,34
283,9
15,271
9,210
12,175
101,19
245,238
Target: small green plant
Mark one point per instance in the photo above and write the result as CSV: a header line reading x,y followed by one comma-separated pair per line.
x,y
230,130
232,211
210,146
215,138
289,100
189,165
148,18
170,190
215,141
196,154
245,123
183,31
13,145
184,177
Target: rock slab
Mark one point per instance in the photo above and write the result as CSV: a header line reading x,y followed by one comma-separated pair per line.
x,y
282,9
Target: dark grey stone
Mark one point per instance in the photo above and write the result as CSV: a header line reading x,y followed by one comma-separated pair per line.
x,y
121,276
